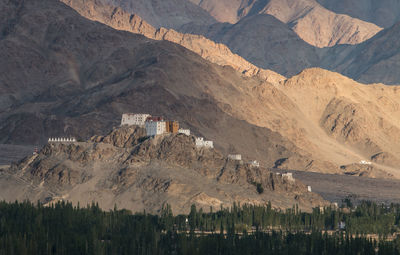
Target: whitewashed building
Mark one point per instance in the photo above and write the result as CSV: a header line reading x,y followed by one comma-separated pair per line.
x,y
201,143
138,119
154,128
309,189
184,131
235,156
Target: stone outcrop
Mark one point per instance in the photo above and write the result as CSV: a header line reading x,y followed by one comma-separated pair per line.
x,y
365,171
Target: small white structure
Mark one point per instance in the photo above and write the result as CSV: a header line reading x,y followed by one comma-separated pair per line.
x,y
289,176
364,162
184,131
201,143
309,188
138,119
235,156
154,128
62,140
254,163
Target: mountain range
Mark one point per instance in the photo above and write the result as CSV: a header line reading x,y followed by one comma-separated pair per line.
x,y
64,73
312,22
270,37
383,13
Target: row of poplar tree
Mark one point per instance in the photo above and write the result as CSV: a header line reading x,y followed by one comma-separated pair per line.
x,y
26,228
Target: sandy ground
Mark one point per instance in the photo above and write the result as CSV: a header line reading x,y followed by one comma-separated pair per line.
x,y
13,153
337,187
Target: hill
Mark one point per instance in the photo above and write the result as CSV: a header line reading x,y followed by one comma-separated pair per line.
x,y
315,121
134,172
63,75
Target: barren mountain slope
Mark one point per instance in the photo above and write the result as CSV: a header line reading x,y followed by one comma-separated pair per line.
x,y
363,118
165,13
312,22
384,13
213,52
264,41
139,173
64,75
261,39
110,72
338,121
376,60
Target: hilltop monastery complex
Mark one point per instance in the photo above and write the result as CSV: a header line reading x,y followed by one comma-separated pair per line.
x,y
158,126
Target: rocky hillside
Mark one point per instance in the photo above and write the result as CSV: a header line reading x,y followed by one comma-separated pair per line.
x,y
383,13
164,13
63,75
264,41
216,53
312,22
363,118
140,173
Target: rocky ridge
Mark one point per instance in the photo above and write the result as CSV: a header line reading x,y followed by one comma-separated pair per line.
x,y
267,43
140,173
216,53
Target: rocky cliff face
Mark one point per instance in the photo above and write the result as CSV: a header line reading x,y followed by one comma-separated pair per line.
x,y
141,173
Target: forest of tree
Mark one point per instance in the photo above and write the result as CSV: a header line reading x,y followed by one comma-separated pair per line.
x,y
26,228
